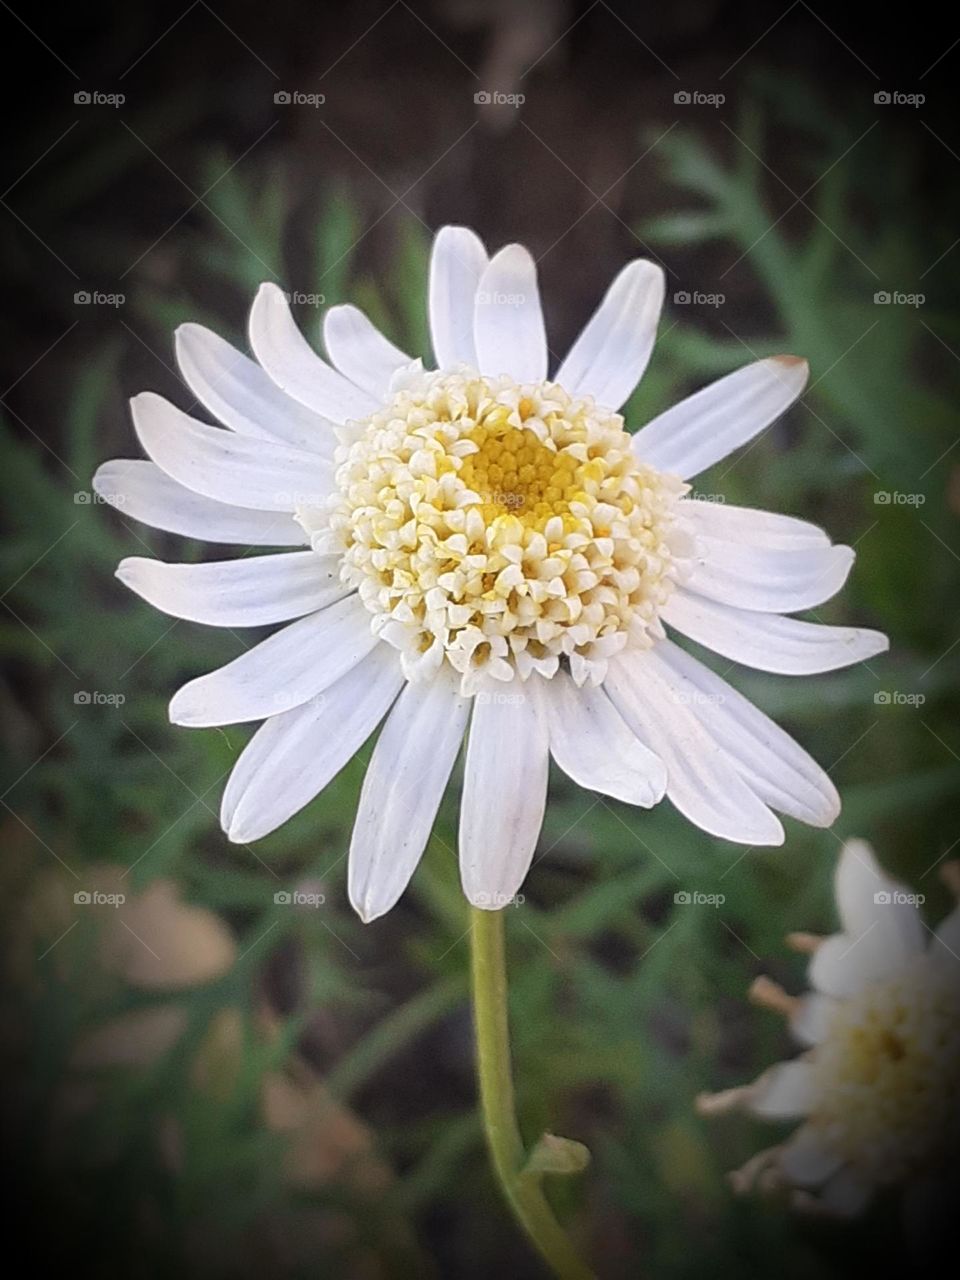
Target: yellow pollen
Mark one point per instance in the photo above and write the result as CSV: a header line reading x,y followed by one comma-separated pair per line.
x,y
503,528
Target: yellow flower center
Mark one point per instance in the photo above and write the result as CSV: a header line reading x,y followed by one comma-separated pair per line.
x,y
886,1074
503,528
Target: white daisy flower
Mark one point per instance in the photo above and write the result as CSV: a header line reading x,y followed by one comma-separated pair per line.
x,y
482,551
876,1088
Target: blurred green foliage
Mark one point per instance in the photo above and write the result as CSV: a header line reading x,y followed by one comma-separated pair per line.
x,y
624,1005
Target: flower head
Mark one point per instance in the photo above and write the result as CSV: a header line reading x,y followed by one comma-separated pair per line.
x,y
876,1086
481,550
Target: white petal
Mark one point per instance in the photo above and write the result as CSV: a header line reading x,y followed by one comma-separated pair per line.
x,y
504,796
752,525
227,467
784,1092
240,395
457,262
508,322
769,642
294,365
610,355
701,780
592,745
882,929
806,1161
360,351
402,791
705,427
292,757
139,489
283,671
867,896
812,1017
251,592
767,579
775,767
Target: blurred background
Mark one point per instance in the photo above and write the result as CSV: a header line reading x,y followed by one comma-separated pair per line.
x,y
206,1081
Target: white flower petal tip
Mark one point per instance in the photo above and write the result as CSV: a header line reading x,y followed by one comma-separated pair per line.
x,y
239,393
508,322
293,756
704,782
141,491
360,351
703,429
767,641
252,591
402,790
609,358
295,367
457,262
227,467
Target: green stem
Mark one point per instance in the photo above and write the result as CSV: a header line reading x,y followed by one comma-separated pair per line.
x,y
522,1190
